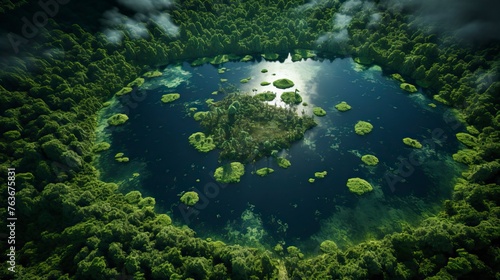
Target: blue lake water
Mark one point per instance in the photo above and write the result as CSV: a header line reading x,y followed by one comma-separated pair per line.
x,y
284,207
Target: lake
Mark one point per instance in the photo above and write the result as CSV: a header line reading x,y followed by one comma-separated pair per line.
x,y
284,207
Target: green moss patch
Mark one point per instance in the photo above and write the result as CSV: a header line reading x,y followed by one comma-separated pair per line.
x,y
398,77
120,157
318,111
265,83
467,156
291,98
264,70
283,83
170,97
359,186
362,127
343,106
117,119
412,142
229,173
246,58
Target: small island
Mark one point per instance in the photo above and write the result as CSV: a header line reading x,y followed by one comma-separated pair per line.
x,y
264,171
408,87
359,186
412,142
265,96
117,119
343,106
362,127
246,129
229,173
370,160
170,97
190,198
318,111
283,83
283,162
321,174
291,98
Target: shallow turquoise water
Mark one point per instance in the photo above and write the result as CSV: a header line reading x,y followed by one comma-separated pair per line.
x,y
284,206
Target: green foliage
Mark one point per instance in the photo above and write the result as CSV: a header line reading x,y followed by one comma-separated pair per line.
x,y
170,97
398,77
370,160
246,129
283,162
291,98
412,142
270,56
120,157
265,96
343,106
198,116
245,80
264,70
136,83
359,186
408,87
467,139
318,111
190,198
264,171
311,180
265,84
362,127
283,83
321,174
201,142
100,147
152,74
229,173
117,119
12,134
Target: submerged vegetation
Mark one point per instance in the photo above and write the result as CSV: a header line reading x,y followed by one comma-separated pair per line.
x,y
75,226
264,171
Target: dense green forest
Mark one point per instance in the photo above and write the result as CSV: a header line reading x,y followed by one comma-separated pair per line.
x,y
71,225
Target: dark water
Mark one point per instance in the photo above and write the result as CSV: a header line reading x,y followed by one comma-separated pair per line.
x,y
284,206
